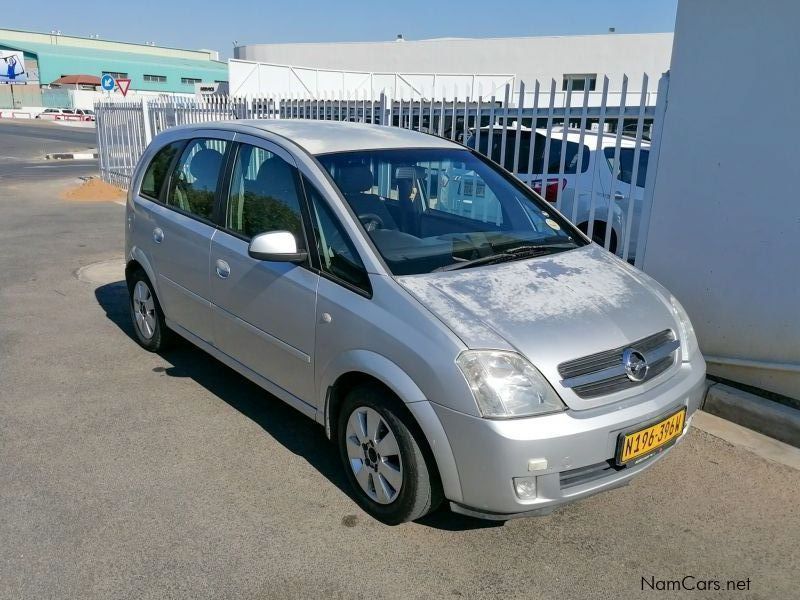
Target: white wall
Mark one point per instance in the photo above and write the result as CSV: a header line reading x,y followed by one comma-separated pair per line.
x,y
259,79
725,227
529,58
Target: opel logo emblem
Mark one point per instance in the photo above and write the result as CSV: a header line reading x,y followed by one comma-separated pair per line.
x,y
635,364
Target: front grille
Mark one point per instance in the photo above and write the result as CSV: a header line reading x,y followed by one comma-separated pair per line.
x,y
603,373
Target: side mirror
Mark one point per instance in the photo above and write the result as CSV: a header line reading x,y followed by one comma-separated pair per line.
x,y
276,246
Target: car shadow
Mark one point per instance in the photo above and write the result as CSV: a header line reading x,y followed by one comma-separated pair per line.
x,y
294,431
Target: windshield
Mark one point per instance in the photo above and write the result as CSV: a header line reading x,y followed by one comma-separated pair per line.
x,y
439,209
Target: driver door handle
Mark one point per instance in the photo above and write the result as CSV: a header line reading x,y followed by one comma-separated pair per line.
x,y
223,269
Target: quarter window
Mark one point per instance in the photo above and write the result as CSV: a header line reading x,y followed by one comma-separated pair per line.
x,y
195,179
336,252
156,172
263,195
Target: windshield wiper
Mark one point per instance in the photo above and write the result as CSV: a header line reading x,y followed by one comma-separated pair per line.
x,y
481,260
518,253
537,248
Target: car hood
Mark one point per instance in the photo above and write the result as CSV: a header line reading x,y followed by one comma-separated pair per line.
x,y
551,309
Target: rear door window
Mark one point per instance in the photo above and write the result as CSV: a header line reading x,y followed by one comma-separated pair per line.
x,y
194,183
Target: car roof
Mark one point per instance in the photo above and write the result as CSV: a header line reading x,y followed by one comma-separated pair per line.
x,y
322,137
608,140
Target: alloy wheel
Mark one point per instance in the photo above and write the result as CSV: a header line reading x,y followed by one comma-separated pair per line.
x,y
374,455
144,310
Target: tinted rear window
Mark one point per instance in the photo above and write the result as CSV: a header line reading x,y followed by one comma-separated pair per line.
x,y
554,153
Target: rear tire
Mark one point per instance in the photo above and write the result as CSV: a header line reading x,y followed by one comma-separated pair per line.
x,y
599,235
382,459
146,314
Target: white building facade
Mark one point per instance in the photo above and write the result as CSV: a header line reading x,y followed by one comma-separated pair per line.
x,y
465,65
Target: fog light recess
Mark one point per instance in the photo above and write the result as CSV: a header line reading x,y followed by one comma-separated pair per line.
x,y
525,487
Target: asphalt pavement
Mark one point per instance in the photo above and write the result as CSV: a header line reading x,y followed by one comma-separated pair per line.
x,y
125,474
26,140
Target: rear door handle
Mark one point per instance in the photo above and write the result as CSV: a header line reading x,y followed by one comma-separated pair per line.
x,y
158,235
223,269
619,196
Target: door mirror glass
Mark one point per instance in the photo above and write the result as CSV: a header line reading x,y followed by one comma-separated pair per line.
x,y
276,246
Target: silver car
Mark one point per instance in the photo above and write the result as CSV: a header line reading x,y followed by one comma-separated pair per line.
x,y
457,338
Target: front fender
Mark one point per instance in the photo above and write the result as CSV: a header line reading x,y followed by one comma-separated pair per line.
x,y
397,380
373,364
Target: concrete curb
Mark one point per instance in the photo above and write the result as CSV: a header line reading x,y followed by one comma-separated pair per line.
x,y
72,156
754,412
750,440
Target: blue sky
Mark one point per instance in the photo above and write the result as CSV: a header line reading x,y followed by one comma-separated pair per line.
x,y
217,24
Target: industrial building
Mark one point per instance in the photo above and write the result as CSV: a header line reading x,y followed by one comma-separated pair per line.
x,y
579,61
46,57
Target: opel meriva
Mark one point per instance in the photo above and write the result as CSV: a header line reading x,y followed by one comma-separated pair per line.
x,y
456,336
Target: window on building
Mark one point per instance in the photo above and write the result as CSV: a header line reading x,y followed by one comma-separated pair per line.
x,y
116,74
220,81
155,78
580,82
191,80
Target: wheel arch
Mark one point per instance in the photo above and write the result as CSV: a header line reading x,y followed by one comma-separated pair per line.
x,y
363,367
137,260
600,225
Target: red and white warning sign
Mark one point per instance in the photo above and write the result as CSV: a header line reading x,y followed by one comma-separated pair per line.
x,y
123,85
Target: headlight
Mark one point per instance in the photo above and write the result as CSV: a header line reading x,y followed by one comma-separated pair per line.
x,y
506,385
688,339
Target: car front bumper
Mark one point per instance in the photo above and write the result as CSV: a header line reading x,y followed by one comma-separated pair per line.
x,y
570,454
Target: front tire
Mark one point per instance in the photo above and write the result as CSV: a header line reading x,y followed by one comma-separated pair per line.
x,y
382,459
146,314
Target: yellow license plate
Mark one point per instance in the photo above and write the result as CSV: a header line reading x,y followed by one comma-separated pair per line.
x,y
635,445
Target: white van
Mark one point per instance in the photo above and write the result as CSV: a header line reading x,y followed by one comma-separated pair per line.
x,y
594,184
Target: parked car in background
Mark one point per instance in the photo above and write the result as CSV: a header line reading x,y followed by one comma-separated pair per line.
x,y
67,114
85,114
457,338
601,189
55,114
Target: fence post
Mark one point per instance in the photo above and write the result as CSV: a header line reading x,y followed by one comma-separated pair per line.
x,y
148,134
652,169
383,108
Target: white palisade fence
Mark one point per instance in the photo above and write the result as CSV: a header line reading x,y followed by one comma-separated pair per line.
x,y
593,160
